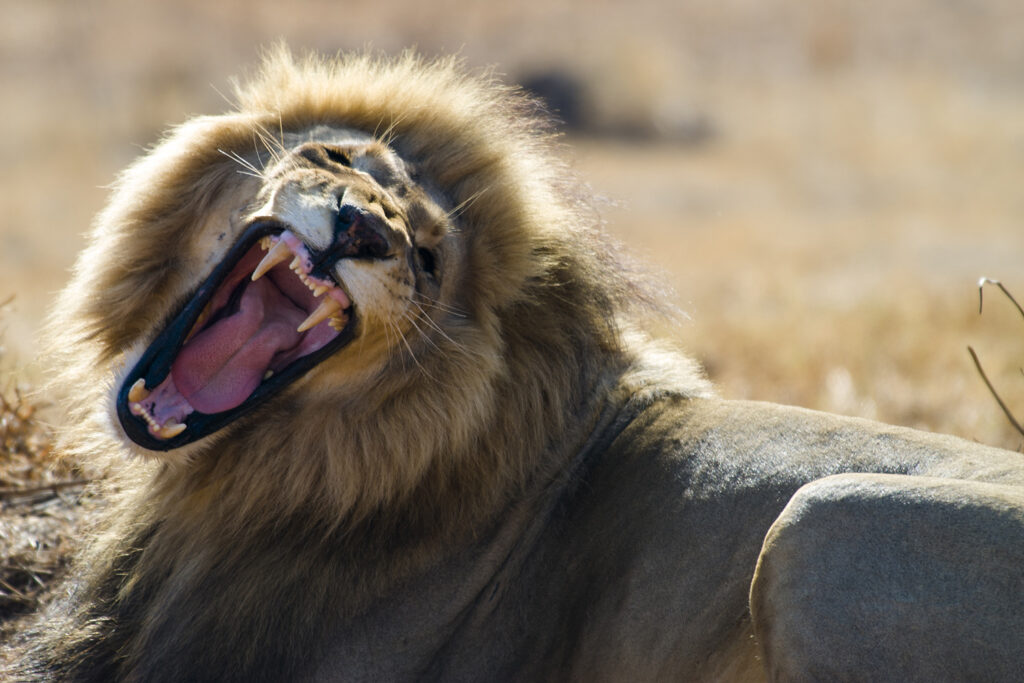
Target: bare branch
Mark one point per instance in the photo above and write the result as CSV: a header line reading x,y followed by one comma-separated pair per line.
x,y
995,394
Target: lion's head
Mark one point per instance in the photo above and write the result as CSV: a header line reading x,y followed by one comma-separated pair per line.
x,y
372,275
336,257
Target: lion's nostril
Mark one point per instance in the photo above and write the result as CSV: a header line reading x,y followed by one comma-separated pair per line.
x,y
346,216
359,234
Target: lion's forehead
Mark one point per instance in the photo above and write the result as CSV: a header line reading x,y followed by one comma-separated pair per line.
x,y
335,135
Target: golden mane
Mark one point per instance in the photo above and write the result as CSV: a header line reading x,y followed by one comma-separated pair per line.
x,y
546,299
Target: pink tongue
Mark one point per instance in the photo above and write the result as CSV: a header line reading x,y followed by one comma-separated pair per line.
x,y
222,365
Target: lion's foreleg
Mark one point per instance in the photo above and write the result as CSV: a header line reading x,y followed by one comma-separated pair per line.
x,y
887,577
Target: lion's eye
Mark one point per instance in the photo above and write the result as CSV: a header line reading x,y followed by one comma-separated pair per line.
x,y
338,157
425,260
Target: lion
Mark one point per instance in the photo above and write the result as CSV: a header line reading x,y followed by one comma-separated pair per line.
x,y
377,402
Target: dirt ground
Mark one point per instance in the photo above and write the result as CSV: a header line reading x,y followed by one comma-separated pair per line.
x,y
820,185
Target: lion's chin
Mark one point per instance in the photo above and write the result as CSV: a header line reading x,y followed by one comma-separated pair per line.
x,y
257,323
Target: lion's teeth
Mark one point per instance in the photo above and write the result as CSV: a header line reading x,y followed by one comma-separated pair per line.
x,y
337,322
319,289
278,253
324,311
170,430
200,322
296,263
138,391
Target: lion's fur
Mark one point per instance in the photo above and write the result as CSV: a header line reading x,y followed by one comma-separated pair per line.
x,y
523,487
432,446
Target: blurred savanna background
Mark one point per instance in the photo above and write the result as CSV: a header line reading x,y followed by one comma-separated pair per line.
x,y
819,185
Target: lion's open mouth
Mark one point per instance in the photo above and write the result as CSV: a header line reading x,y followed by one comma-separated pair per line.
x,y
256,324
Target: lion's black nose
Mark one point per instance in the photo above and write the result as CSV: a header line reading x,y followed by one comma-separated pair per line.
x,y
357,234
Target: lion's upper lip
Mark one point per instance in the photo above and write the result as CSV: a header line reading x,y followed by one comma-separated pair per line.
x,y
257,323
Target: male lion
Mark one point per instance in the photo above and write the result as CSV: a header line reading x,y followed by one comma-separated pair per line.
x,y
394,419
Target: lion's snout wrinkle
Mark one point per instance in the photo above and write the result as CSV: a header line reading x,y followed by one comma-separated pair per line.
x,y
329,157
401,421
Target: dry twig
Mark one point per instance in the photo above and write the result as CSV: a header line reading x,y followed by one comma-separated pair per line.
x,y
974,356
995,394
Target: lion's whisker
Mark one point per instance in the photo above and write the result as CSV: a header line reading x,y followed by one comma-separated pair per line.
x,y
280,131
412,354
251,170
388,136
275,148
466,203
443,307
256,148
429,321
411,318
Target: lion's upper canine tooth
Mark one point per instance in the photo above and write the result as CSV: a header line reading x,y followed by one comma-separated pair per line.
x,y
278,253
325,310
138,391
319,289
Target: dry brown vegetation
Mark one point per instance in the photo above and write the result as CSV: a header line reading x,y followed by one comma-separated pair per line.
x,y
42,505
858,167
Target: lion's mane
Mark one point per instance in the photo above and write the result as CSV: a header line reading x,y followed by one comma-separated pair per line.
x,y
389,469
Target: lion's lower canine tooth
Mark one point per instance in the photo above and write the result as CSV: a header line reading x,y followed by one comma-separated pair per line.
x,y
324,311
278,253
171,429
138,391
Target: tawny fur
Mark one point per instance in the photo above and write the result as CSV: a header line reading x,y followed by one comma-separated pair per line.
x,y
446,431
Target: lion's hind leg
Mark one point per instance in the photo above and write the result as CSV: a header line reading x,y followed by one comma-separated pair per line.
x,y
893,578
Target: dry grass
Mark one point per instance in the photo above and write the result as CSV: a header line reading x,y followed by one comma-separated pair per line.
x,y
41,508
